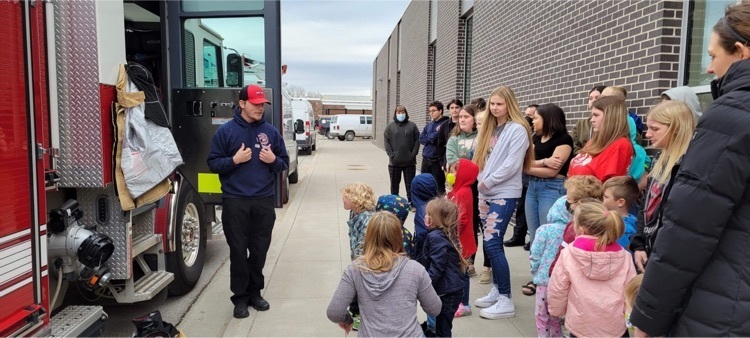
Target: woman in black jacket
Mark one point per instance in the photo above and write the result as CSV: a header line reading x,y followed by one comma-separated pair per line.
x,y
697,280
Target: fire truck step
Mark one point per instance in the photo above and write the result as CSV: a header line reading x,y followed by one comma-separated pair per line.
x,y
74,320
147,287
144,242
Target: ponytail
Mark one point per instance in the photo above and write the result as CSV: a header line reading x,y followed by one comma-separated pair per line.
x,y
596,220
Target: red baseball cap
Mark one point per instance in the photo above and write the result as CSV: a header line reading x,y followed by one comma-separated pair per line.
x,y
253,94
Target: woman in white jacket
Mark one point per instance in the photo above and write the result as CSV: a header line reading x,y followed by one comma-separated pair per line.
x,y
502,154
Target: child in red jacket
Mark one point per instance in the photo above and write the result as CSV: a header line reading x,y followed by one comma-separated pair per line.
x,y
466,173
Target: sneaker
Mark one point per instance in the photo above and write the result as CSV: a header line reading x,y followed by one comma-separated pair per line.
x,y
472,271
357,321
485,277
463,311
504,308
489,299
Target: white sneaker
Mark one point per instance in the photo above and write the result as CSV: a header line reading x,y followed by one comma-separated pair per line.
x,y
504,308
489,299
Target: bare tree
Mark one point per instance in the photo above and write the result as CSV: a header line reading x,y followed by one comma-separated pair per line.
x,y
313,95
295,91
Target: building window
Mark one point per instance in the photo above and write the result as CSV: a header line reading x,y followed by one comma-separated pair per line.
x,y
433,20
704,15
467,69
433,70
398,45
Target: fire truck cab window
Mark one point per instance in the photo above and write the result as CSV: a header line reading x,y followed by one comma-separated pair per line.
x,y
213,41
221,5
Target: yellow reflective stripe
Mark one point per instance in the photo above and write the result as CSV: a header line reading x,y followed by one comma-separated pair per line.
x,y
209,183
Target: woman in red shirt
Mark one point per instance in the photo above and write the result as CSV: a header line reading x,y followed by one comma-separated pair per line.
x,y
609,151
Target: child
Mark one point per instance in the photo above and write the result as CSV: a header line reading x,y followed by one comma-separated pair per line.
x,y
578,188
620,194
631,291
399,206
423,189
359,199
545,247
588,283
466,173
441,256
386,283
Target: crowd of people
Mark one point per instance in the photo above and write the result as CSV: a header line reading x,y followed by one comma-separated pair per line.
x,y
620,243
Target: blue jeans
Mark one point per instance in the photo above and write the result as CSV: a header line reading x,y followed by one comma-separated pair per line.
x,y
495,215
465,299
542,194
444,321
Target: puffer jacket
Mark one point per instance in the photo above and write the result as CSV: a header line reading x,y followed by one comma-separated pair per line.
x,y
466,175
581,270
697,279
401,140
547,242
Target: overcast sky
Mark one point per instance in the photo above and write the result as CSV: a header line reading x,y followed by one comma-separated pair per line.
x,y
330,46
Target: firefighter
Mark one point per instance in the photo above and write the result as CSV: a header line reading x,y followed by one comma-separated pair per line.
x,y
247,153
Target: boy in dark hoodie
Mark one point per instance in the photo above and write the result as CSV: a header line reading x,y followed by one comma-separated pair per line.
x,y
433,145
423,189
401,139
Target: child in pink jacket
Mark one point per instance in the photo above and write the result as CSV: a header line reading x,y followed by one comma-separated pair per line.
x,y
588,282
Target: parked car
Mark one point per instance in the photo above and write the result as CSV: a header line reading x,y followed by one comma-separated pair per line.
x,y
304,122
324,126
346,127
291,145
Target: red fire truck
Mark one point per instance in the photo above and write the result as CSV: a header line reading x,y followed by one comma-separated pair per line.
x,y
63,226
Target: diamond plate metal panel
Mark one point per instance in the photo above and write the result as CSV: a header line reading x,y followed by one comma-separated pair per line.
x,y
80,163
117,226
143,224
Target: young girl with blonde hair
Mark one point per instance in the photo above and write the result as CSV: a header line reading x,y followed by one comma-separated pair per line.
x,y
610,151
442,258
385,283
589,279
502,154
670,127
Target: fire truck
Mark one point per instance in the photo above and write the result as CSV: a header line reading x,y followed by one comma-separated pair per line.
x,y
64,227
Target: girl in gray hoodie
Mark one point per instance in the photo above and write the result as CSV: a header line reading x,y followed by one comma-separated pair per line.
x,y
387,285
502,154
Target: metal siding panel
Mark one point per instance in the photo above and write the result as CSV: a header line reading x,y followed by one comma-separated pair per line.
x,y
118,228
81,159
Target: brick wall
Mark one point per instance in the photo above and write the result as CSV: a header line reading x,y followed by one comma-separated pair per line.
x,y
547,51
555,51
447,50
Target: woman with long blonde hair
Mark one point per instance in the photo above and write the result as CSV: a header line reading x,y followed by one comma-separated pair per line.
x,y
670,128
386,285
503,152
609,152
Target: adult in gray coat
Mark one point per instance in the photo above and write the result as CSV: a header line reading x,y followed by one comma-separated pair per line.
x,y
402,145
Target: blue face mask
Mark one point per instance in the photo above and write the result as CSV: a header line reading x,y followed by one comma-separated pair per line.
x,y
400,117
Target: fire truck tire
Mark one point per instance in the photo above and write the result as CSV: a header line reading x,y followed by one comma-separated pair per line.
x,y
313,146
190,232
294,177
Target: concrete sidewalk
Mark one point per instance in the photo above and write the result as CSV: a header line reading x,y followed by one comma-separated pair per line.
x,y
310,249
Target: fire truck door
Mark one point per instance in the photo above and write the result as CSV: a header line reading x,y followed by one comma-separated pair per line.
x,y
19,279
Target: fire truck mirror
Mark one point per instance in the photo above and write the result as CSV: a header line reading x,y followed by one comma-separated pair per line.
x,y
235,70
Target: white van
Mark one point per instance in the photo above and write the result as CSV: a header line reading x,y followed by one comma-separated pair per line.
x,y
346,127
304,125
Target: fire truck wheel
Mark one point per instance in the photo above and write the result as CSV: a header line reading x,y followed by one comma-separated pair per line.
x,y
190,232
294,177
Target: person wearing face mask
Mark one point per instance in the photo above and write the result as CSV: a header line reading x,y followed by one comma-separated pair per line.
x,y
401,138
696,279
